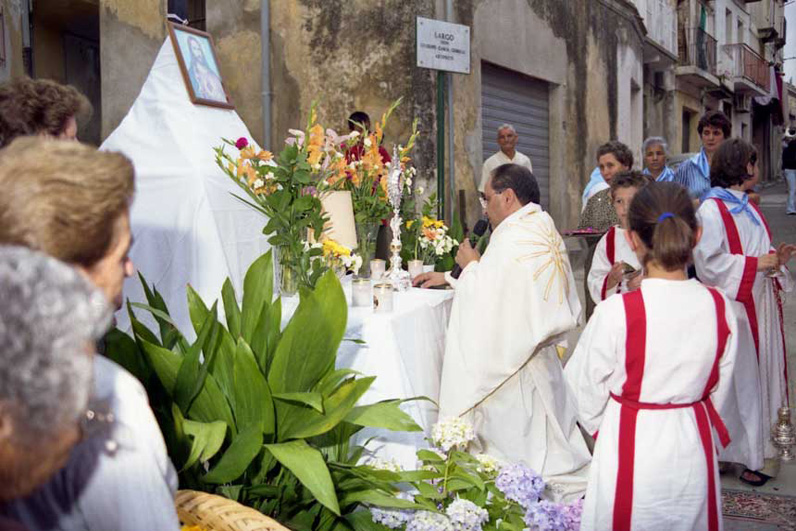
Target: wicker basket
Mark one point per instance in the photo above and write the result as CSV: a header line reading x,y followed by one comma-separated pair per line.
x,y
215,513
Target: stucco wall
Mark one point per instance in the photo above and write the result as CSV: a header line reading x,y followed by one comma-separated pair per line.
x,y
13,66
131,33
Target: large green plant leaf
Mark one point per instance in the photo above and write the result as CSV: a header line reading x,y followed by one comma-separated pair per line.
x,y
297,422
310,341
238,457
231,309
314,400
190,377
363,521
379,498
258,290
207,438
267,334
169,334
309,467
253,403
209,404
386,415
123,349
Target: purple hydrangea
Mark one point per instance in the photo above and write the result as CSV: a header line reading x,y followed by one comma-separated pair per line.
x,y
467,516
520,484
573,513
392,518
428,521
546,516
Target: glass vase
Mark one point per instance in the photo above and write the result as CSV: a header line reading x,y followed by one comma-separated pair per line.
x,y
288,280
366,245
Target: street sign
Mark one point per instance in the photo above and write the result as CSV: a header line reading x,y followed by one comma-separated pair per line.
x,y
443,46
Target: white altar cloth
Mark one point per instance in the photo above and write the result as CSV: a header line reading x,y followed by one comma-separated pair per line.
x,y
404,351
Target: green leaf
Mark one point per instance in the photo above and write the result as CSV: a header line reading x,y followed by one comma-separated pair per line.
x,y
296,422
309,344
123,349
314,400
207,439
258,290
188,381
231,309
238,457
309,467
253,402
329,383
210,404
386,415
379,498
429,457
158,314
471,479
429,491
363,521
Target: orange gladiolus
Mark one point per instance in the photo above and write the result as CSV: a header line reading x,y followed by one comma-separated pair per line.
x,y
247,153
265,156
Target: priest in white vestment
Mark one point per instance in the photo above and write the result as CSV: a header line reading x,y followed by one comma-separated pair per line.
x,y
513,307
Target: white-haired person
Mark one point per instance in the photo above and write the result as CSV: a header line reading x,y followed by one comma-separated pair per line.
x,y
507,139
50,317
72,202
656,150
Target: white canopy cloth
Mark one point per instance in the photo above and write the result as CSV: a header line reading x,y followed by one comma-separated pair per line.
x,y
404,350
187,227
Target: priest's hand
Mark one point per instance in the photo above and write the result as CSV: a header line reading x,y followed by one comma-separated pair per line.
x,y
429,280
466,254
768,262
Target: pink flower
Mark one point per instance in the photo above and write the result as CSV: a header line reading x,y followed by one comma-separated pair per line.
x,y
241,142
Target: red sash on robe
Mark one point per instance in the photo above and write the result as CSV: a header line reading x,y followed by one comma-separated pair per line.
x,y
747,281
610,250
706,415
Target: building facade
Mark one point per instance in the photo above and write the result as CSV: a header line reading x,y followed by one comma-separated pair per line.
x,y
568,75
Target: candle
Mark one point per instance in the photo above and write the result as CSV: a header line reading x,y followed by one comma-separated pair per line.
x,y
362,293
382,298
377,268
415,268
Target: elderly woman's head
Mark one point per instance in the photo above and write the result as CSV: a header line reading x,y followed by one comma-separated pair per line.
x,y
40,107
49,319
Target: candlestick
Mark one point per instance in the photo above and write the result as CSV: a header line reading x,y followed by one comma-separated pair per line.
x,y
396,275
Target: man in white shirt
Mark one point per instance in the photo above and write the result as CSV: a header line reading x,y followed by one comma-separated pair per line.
x,y
507,140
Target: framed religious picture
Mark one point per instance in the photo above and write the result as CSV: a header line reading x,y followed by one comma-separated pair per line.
x,y
199,66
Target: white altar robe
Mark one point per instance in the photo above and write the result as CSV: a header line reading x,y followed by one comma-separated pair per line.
x,y
663,350
760,375
501,369
611,248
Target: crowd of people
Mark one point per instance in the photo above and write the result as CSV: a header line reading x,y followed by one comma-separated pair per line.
x,y
676,375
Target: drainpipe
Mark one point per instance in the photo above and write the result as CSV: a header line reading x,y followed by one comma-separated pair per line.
x,y
265,50
449,87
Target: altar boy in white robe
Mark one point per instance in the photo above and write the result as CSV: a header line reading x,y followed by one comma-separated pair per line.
x,y
615,267
736,254
646,373
513,306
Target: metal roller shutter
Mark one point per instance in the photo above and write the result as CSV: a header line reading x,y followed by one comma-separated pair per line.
x,y
508,97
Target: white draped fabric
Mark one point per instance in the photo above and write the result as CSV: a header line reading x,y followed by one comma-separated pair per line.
x,y
501,368
404,350
760,386
631,352
187,227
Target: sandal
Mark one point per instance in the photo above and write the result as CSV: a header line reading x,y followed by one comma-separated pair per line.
x,y
762,478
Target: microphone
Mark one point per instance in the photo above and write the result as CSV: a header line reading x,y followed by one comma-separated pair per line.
x,y
478,231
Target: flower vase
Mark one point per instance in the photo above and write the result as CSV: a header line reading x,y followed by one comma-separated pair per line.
x,y
366,245
288,278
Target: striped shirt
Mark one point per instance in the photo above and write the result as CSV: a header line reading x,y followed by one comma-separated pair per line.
x,y
694,174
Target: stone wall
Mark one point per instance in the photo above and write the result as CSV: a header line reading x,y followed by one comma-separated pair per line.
x,y
131,33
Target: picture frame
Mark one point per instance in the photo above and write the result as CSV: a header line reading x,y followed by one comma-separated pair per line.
x,y
196,55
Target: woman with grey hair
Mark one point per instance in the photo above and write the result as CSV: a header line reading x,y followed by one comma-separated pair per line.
x,y
49,319
655,152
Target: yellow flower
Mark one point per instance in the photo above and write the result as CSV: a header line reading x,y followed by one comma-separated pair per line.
x,y
430,222
410,223
334,249
316,135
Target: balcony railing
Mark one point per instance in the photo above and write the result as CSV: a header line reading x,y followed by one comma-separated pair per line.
x,y
747,64
697,48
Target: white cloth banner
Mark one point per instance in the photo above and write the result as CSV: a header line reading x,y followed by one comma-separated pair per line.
x,y
187,227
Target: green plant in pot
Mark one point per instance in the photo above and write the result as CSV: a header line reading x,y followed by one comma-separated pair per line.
x,y
260,414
